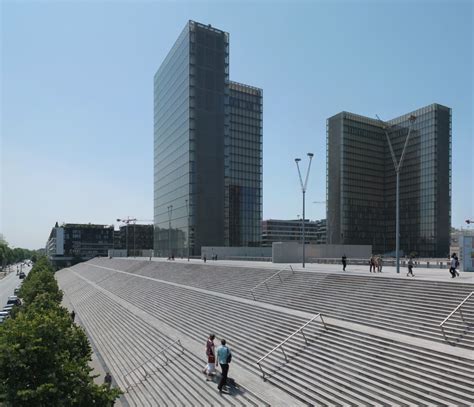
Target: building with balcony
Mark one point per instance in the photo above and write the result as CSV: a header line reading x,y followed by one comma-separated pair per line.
x,y
72,243
278,230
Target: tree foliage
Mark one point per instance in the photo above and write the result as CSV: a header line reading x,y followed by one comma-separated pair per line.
x,y
40,282
43,355
11,256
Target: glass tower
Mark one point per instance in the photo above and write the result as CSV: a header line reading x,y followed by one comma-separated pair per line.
x,y
243,171
193,141
361,182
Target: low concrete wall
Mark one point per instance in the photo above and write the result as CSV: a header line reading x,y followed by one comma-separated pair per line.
x,y
233,253
117,253
292,252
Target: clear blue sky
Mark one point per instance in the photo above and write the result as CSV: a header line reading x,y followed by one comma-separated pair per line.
x,y
77,95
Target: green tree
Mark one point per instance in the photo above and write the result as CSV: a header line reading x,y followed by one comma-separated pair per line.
x,y
40,281
44,360
6,254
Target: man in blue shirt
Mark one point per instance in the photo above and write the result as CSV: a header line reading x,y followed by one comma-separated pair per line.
x,y
224,356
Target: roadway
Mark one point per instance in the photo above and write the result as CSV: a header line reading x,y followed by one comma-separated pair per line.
x,y
8,284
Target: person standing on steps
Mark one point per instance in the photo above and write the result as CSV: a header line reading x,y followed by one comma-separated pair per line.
x,y
210,368
410,267
224,357
344,262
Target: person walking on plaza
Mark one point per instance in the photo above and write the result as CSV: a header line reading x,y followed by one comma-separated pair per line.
x,y
379,264
410,267
372,263
344,262
108,380
454,263
224,357
210,368
73,315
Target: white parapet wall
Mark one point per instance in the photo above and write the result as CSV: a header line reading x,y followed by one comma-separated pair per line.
x,y
223,252
292,252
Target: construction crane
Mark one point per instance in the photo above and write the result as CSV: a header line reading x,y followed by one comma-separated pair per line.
x,y
127,222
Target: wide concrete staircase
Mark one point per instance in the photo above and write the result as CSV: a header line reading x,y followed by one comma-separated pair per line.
x,y
407,307
131,350
126,314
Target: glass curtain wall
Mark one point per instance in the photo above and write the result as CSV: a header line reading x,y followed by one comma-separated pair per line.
x,y
171,149
361,182
243,155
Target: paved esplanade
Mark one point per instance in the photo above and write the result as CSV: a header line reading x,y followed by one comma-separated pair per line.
x,y
421,273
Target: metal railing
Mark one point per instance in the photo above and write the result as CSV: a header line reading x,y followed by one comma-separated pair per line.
x,y
453,312
146,373
268,279
280,345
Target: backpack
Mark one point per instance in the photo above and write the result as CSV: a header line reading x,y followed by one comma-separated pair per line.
x,y
229,355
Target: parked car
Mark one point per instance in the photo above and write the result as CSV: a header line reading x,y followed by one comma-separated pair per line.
x,y
22,274
14,300
8,307
16,290
4,314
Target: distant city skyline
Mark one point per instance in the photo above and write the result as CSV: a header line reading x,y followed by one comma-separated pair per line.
x,y
76,112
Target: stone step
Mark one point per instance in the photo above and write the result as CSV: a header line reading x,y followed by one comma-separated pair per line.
x,y
385,372
110,312
386,311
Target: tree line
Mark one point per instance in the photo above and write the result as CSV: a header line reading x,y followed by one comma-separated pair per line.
x,y
16,255
44,355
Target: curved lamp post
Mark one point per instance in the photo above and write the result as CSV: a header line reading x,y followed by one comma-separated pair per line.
x,y
303,190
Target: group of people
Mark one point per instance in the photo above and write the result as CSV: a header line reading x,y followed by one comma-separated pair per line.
x,y
222,357
214,257
376,264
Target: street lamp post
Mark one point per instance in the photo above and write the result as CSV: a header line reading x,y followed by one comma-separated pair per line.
x,y
187,211
303,189
134,240
170,213
398,166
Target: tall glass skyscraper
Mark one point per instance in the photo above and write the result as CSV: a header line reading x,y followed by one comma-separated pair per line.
x,y
203,196
361,182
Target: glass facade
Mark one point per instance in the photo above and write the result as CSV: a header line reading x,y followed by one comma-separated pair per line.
x,y
243,171
361,182
192,139
172,163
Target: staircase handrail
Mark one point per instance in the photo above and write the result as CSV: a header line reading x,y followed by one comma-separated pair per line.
x,y
162,351
269,278
280,345
453,311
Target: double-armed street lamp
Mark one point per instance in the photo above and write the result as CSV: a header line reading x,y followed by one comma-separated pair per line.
x,y
303,190
398,166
